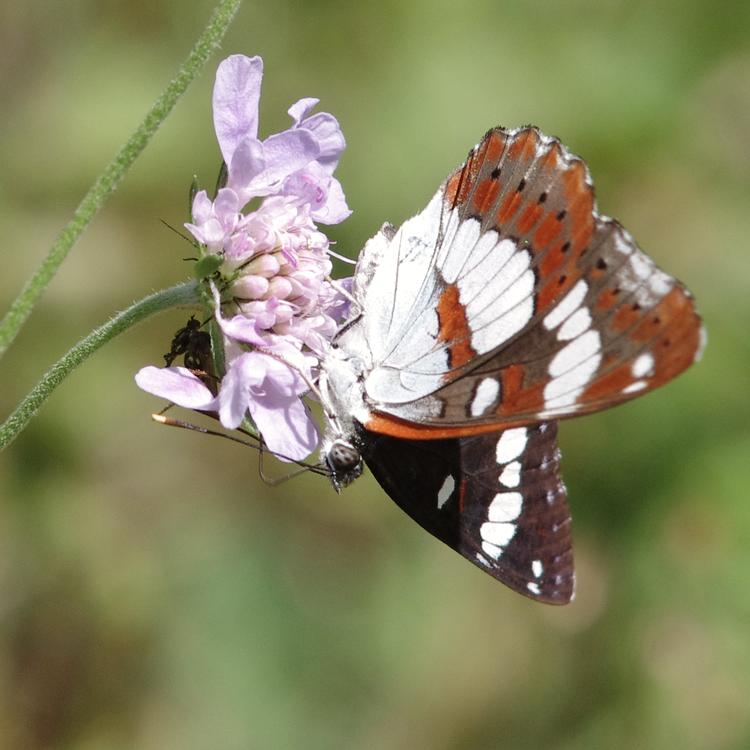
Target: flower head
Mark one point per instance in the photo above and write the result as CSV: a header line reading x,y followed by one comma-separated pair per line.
x,y
272,297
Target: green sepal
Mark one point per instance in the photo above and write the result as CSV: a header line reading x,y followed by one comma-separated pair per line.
x,y
207,266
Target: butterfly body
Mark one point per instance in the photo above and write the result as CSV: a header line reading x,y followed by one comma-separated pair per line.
x,y
506,304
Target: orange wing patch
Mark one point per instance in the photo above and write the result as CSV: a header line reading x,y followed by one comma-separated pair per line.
x,y
385,424
516,398
580,198
484,196
454,328
463,180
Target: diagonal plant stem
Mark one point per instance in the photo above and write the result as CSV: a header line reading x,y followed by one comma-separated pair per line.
x,y
109,179
187,293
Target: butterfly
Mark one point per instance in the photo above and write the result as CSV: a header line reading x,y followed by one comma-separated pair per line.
x,y
507,304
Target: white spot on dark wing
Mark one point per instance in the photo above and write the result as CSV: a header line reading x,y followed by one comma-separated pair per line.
x,y
660,283
445,491
498,534
571,369
641,277
482,559
492,550
577,351
499,303
479,283
511,474
511,444
565,389
505,506
537,568
490,335
575,325
638,385
486,395
533,587
493,279
643,365
566,306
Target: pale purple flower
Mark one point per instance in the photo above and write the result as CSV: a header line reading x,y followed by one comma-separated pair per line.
x,y
270,390
273,300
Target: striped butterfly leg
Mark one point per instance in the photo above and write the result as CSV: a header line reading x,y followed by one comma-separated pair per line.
x,y
496,498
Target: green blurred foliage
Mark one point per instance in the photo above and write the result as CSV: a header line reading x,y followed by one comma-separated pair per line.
x,y
155,594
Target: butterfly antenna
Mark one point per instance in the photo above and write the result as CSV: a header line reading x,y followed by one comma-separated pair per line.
x,y
258,445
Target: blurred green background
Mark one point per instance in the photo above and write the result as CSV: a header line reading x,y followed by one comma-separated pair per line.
x,y
155,594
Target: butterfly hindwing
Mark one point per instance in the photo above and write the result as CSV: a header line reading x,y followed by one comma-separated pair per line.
x,y
497,499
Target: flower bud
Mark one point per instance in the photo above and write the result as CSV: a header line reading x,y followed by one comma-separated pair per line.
x,y
284,313
279,287
283,260
264,265
250,287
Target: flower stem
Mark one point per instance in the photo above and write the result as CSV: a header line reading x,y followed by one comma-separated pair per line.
x,y
186,293
110,178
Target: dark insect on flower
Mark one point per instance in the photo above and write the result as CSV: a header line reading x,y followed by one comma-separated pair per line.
x,y
192,344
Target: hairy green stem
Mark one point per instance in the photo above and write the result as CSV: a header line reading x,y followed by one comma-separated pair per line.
x,y
182,294
109,179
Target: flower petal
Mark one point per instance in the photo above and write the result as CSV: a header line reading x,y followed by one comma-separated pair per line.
x,y
235,101
286,427
176,384
299,109
335,209
242,329
283,382
202,208
235,392
285,153
327,132
248,161
227,205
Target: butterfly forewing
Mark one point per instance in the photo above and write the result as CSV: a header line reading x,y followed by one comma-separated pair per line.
x,y
497,499
516,301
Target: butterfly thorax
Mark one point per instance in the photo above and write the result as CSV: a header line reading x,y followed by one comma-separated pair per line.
x,y
342,394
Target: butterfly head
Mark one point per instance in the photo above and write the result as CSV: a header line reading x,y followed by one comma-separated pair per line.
x,y
344,462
